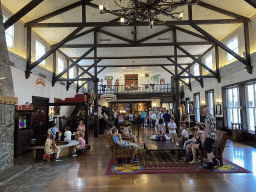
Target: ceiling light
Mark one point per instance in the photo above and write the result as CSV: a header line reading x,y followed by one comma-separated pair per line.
x,y
149,10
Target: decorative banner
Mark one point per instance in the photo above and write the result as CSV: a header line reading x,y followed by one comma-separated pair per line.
x,y
24,107
40,81
109,80
162,81
156,78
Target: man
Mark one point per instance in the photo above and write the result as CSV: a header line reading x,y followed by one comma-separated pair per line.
x,y
142,118
167,119
209,138
172,130
116,137
153,118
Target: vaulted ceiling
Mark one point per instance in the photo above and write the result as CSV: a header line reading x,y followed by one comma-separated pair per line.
x,y
54,35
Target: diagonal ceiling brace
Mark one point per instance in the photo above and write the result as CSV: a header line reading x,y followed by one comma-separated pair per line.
x,y
27,8
79,87
174,75
187,71
54,48
154,35
115,36
74,63
220,44
101,70
252,3
190,65
197,61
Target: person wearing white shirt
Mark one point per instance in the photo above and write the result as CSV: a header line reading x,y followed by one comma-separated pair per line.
x,y
67,134
172,132
153,118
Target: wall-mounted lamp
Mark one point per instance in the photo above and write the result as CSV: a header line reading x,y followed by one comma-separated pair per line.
x,y
121,75
203,102
154,104
218,100
142,75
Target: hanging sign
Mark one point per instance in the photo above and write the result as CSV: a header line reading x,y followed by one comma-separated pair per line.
x,y
24,107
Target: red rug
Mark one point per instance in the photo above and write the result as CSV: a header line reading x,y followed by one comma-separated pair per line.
x,y
228,167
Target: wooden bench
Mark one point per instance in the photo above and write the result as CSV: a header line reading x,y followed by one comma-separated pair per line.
x,y
119,151
218,146
66,148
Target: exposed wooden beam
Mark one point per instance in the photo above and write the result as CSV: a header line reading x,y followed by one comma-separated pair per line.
x,y
73,79
220,44
79,87
115,36
197,61
27,8
74,63
67,86
135,45
101,70
192,76
28,53
117,24
53,14
252,3
138,57
247,47
84,2
154,35
90,67
219,10
54,65
137,65
54,48
174,75
190,65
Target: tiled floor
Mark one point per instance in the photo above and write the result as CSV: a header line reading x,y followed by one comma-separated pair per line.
x,y
87,173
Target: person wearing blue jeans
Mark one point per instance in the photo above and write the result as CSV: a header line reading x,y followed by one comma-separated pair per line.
x,y
142,118
167,119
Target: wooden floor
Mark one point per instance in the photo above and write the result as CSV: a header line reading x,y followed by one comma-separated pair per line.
x,y
88,174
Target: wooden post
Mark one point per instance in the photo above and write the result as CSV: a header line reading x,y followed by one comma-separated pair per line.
x,y
96,120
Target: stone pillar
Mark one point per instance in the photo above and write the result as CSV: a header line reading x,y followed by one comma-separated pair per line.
x,y
6,110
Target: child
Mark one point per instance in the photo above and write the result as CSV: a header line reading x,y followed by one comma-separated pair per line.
x,y
81,143
50,147
128,132
184,135
67,134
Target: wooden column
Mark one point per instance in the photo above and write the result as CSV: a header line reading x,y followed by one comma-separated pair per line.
x,y
96,120
67,87
27,73
54,68
177,82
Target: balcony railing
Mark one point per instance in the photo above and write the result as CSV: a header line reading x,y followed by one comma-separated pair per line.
x,y
142,88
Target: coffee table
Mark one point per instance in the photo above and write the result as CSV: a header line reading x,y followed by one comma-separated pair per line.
x,y
151,145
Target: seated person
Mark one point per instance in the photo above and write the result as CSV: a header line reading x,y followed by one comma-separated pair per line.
x,y
184,135
53,131
196,142
67,134
172,132
160,130
201,129
81,144
128,132
116,137
50,148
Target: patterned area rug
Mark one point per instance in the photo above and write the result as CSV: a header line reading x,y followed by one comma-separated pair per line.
x,y
167,163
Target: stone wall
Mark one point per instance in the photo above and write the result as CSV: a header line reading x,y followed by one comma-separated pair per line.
x,y
6,110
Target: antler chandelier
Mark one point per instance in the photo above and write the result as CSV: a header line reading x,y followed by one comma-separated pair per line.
x,y
139,10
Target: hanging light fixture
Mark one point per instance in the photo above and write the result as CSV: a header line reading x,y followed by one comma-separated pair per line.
x,y
139,10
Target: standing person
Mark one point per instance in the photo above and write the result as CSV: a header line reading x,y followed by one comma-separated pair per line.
x,y
81,127
142,118
50,147
116,85
53,131
172,130
167,119
209,138
153,118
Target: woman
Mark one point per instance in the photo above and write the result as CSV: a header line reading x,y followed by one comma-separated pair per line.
x,y
160,130
50,148
81,127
